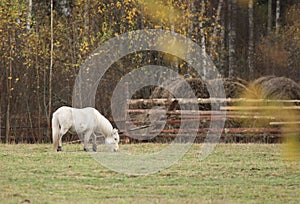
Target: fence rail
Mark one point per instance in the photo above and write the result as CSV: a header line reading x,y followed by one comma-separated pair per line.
x,y
243,117
161,101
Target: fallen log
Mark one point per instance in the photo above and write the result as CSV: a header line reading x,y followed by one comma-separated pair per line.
x,y
256,108
163,101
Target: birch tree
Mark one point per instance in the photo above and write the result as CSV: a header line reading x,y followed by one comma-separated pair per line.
x,y
29,15
251,39
232,12
50,72
214,35
202,34
269,24
277,16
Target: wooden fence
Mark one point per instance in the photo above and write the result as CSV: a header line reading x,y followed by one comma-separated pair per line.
x,y
246,120
253,121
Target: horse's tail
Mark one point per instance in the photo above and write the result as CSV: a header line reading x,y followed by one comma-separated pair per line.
x,y
55,131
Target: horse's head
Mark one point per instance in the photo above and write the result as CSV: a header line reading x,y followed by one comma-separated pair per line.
x,y
113,140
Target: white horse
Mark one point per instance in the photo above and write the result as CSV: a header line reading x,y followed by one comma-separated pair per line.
x,y
86,121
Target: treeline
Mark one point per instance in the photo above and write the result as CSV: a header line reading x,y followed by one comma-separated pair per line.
x,y
43,43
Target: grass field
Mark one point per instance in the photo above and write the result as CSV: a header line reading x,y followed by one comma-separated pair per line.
x,y
233,173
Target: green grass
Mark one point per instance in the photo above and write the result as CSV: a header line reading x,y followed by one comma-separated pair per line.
x,y
233,173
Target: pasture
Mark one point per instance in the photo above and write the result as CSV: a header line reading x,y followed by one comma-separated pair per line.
x,y
233,173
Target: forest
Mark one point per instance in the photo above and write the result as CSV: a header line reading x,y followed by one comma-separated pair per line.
x,y
44,43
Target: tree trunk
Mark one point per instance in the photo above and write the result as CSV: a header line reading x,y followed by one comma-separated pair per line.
x,y
175,63
86,19
232,12
203,47
29,15
50,76
214,35
222,48
38,98
7,122
251,40
190,5
269,29
277,25
9,90
269,25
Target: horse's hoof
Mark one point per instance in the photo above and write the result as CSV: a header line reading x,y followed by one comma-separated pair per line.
x,y
95,148
86,149
59,149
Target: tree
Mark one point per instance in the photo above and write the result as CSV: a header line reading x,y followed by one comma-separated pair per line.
x,y
216,25
50,72
29,15
251,39
277,16
269,24
232,12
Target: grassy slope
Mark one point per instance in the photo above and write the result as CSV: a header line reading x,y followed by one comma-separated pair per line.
x,y
252,173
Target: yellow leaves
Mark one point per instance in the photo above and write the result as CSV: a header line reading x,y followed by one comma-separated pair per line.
x,y
16,79
159,11
118,4
172,46
57,44
127,2
131,14
84,47
100,10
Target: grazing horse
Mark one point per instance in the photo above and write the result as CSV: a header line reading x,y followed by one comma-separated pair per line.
x,y
86,121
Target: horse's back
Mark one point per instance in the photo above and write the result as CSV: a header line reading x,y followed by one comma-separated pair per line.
x,y
64,110
97,121
64,116
81,119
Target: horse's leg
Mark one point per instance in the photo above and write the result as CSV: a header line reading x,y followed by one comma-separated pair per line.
x,y
86,140
59,148
63,131
94,142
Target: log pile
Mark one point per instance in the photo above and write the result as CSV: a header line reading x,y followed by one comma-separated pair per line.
x,y
248,117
